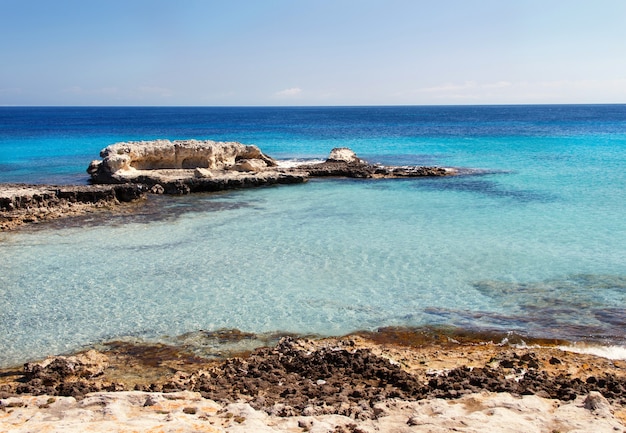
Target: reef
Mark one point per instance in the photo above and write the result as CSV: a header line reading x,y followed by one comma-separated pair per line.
x,y
20,203
186,166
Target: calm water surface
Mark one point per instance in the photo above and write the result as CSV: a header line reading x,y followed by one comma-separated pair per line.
x,y
534,244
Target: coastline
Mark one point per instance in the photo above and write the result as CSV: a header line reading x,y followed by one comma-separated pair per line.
x,y
22,204
398,379
387,380
28,203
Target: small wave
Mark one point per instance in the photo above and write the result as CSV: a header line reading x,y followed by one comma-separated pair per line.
x,y
609,352
292,163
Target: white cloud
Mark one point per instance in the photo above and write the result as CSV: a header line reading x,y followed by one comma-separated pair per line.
x,y
289,93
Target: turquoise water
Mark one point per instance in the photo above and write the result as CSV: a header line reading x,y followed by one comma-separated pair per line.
x,y
536,243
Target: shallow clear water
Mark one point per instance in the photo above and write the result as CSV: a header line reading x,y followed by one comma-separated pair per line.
x,y
535,244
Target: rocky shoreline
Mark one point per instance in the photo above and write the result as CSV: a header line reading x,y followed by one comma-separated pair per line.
x,y
187,166
27,204
390,380
130,171
353,383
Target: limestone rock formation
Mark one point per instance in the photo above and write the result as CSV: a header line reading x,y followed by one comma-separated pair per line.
x,y
343,162
122,162
21,203
185,166
343,154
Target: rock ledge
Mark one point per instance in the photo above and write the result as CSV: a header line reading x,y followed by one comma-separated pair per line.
x,y
185,166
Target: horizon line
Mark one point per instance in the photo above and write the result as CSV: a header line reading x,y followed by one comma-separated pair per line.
x,y
319,106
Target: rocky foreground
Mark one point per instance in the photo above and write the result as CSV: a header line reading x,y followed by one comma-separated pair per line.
x,y
351,384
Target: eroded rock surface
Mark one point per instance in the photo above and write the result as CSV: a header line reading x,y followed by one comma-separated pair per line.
x,y
343,162
300,377
346,384
185,166
20,203
121,161
189,412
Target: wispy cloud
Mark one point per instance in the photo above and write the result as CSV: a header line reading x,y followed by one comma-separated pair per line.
x,y
288,93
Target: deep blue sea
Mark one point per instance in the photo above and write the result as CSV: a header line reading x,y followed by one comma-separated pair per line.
x,y
533,243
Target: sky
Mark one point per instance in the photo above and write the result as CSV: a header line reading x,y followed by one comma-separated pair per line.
x,y
311,52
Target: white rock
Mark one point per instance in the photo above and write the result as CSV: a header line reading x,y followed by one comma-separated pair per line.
x,y
343,154
477,413
250,165
599,405
179,154
203,173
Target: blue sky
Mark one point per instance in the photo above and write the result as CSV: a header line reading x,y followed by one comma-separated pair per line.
x,y
311,52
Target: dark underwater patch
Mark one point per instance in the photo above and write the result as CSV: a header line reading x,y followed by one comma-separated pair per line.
x,y
156,208
477,184
571,307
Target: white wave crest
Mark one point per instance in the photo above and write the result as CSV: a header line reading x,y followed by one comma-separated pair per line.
x,y
609,352
292,163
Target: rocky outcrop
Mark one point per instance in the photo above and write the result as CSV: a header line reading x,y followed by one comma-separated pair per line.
x,y
202,180
185,166
344,154
343,162
130,170
125,162
20,203
15,197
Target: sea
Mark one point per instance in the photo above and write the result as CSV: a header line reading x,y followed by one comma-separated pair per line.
x,y
529,241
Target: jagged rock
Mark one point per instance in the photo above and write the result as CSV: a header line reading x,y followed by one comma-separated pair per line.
x,y
596,403
56,369
123,162
186,166
343,162
20,203
203,173
343,154
250,165
20,196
